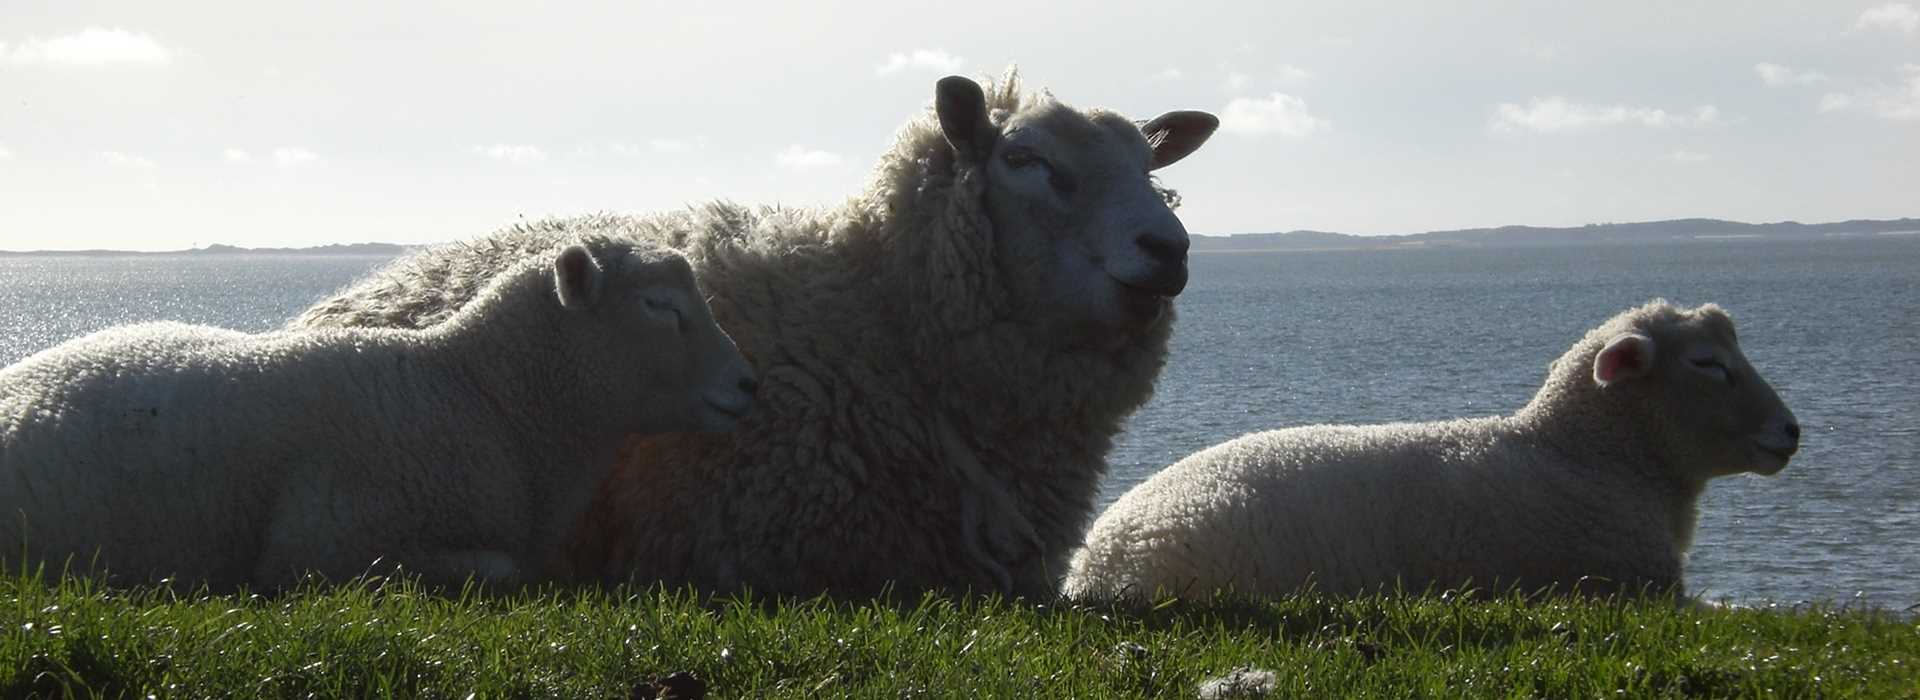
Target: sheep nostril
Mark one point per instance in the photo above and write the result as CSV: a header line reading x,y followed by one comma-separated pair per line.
x,y
1167,249
1793,431
749,385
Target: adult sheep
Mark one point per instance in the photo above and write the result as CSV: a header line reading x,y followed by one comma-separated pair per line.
x,y
945,357
1590,488
467,449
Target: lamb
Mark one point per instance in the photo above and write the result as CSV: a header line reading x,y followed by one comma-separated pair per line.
x,y
946,358
1591,488
199,455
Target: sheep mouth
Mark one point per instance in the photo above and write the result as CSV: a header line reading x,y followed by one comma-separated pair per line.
x,y
731,411
1142,304
1780,456
1164,283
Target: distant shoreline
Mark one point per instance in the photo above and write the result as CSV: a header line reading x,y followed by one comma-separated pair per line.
x,y
1676,230
338,250
1672,231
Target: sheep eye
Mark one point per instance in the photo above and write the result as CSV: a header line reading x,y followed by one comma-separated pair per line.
x,y
1019,160
1714,367
679,319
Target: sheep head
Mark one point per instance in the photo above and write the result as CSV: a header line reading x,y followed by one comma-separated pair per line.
x,y
646,303
1709,412
1083,237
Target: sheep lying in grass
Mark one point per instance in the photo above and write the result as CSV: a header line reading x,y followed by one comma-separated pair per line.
x,y
467,449
947,357
1591,487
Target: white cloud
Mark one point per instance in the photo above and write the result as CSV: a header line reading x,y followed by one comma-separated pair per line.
x,y
1897,102
92,46
511,153
1557,114
1686,157
1777,75
798,157
124,160
1892,17
934,60
1278,113
235,155
1290,73
288,157
1168,74
5,154
1236,80
652,147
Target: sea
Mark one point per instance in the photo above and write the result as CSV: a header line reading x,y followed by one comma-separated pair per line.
x,y
1285,338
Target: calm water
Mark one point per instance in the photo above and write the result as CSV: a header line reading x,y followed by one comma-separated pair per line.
x,y
1269,340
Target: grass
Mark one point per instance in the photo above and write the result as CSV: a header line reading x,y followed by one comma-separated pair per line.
x,y
75,639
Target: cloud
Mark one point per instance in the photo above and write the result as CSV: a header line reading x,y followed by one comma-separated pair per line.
x,y
1897,102
652,147
235,155
511,153
92,46
1236,80
5,154
1777,75
1686,157
1557,115
934,60
1290,73
1892,17
1168,74
288,157
798,157
124,160
1278,113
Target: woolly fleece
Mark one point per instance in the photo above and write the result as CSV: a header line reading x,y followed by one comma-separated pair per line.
x,y
1589,488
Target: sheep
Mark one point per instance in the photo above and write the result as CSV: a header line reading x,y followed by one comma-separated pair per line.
x,y
946,358
1591,488
196,455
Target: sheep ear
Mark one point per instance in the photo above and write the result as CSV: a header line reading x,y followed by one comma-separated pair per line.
x,y
577,277
1176,135
963,117
1627,356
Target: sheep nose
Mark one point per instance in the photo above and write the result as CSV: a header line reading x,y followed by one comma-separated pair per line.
x,y
1168,249
749,385
1793,431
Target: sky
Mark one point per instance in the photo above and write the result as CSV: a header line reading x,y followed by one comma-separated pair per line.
x,y
156,126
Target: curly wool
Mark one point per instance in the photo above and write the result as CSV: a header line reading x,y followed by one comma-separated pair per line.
x,y
1586,488
207,456
916,428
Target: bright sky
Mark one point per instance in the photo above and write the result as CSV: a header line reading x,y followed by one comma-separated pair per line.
x,y
164,125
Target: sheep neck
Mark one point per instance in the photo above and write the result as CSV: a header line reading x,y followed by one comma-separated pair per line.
x,y
1584,427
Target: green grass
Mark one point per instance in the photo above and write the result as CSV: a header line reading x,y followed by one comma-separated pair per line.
x,y
79,640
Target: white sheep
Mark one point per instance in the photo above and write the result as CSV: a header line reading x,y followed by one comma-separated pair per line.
x,y
1589,488
946,357
467,449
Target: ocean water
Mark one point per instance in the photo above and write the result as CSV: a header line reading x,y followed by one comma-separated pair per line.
x,y
1269,340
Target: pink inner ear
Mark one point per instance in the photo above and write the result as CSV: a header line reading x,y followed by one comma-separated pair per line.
x,y
1624,358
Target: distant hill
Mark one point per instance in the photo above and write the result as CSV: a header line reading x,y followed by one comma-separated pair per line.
x,y
363,249
1502,237
1533,236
